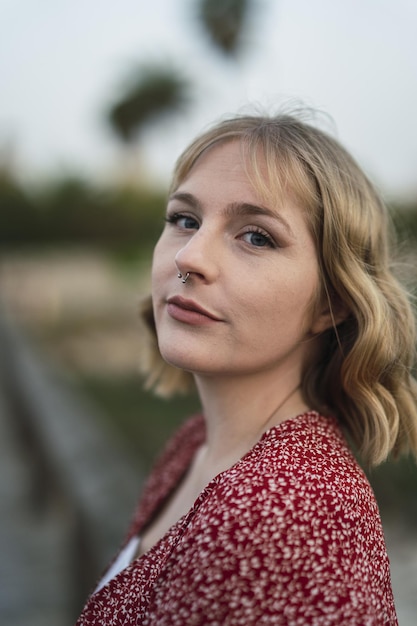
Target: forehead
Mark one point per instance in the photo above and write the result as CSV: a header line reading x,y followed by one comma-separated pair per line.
x,y
233,165
226,162
274,172
229,156
220,177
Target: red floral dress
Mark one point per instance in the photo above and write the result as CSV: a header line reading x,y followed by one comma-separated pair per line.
x,y
290,534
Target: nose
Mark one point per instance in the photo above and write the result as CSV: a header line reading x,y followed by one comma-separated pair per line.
x,y
200,256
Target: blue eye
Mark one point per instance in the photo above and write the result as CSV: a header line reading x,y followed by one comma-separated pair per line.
x,y
258,239
182,221
187,222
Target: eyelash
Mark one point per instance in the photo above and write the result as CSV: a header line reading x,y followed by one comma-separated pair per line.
x,y
270,243
175,217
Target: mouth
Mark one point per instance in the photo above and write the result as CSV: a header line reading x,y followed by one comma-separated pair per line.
x,y
188,311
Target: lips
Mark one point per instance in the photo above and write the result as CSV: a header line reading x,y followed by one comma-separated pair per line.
x,y
189,311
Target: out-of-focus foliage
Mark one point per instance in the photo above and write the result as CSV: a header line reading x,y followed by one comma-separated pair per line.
x,y
71,211
395,486
404,217
18,211
151,93
224,21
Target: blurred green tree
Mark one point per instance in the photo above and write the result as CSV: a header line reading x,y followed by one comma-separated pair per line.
x,y
151,93
19,214
224,22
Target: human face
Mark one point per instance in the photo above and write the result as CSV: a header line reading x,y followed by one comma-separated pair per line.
x,y
246,307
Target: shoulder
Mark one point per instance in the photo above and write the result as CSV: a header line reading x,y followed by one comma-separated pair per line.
x,y
301,471
309,451
291,530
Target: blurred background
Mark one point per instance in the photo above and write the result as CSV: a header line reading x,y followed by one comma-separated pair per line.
x,y
97,100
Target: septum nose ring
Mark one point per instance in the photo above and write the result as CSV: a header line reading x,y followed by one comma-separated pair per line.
x,y
183,278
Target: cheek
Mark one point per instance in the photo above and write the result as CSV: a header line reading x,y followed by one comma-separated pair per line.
x,y
158,251
315,304
158,280
162,261
259,307
279,305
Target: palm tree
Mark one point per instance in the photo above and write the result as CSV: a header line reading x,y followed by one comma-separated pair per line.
x,y
152,92
224,21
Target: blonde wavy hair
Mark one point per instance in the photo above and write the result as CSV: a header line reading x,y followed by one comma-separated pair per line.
x,y
363,373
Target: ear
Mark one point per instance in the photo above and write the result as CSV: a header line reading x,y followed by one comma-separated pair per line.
x,y
330,316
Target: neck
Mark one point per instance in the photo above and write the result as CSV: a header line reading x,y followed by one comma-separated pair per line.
x,y
238,412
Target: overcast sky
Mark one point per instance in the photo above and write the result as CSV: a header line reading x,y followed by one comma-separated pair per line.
x,y
61,63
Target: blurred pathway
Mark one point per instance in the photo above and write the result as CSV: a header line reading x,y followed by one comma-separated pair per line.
x,y
34,577
402,550
66,490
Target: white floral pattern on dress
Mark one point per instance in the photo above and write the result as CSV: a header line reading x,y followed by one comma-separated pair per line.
x,y
290,535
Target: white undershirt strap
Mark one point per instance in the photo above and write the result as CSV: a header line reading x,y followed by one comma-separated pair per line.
x,y
124,559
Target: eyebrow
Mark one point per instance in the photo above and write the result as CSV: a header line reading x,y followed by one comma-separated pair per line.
x,y
235,209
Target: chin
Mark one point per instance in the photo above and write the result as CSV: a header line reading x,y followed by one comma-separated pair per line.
x,y
182,358
187,360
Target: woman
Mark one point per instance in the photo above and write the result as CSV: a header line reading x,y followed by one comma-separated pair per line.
x,y
271,292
